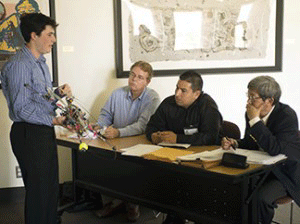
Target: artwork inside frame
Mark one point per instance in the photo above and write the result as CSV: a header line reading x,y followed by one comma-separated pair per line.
x,y
11,38
211,37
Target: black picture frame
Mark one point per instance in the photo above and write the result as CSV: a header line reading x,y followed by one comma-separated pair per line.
x,y
122,70
54,49
54,63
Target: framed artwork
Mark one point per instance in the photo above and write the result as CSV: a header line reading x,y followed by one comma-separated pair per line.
x,y
211,37
11,38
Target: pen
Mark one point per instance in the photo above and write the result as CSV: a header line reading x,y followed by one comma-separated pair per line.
x,y
232,145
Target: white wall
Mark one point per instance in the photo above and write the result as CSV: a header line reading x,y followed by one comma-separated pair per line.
x,y
90,70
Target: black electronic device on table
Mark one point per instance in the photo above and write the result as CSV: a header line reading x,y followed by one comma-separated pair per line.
x,y
234,160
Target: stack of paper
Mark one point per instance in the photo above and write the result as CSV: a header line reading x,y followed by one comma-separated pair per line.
x,y
155,152
174,145
212,155
253,156
260,157
140,149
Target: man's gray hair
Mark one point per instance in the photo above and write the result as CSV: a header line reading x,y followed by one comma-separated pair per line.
x,y
266,87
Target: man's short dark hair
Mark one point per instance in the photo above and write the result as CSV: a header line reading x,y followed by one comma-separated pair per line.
x,y
266,87
194,78
35,22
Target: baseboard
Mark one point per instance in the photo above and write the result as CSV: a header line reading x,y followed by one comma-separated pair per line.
x,y
12,195
17,194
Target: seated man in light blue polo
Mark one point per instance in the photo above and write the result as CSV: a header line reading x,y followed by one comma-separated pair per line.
x,y
126,113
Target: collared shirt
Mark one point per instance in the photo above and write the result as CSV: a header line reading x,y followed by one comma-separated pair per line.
x,y
129,116
25,81
253,121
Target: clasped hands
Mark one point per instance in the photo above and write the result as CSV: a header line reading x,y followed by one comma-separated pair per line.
x,y
164,136
111,132
107,132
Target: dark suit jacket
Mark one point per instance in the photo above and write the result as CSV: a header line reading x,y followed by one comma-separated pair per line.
x,y
279,135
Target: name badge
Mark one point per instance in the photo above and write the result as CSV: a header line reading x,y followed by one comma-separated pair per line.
x,y
190,131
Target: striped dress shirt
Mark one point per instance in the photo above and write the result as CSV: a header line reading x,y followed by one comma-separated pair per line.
x,y
25,81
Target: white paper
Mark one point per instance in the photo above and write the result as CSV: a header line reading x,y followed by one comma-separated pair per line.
x,y
86,135
174,145
140,149
204,156
260,157
253,156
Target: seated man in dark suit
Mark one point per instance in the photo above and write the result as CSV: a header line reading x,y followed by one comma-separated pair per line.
x,y
190,116
271,126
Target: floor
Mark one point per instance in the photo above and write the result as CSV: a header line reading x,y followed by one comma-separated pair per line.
x,y
11,212
12,206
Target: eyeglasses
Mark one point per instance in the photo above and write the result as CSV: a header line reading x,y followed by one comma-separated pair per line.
x,y
252,98
139,77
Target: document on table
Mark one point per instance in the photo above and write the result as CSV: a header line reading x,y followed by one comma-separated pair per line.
x,y
212,155
140,149
167,154
253,156
260,157
174,145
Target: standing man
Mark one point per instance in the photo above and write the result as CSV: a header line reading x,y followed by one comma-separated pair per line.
x,y
126,113
271,126
190,116
25,79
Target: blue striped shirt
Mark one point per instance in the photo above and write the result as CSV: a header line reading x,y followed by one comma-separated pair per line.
x,y
129,116
26,104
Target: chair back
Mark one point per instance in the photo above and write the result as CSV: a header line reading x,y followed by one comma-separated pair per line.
x,y
283,200
231,130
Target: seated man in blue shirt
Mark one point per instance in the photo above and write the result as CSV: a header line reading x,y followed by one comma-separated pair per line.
x,y
129,108
126,113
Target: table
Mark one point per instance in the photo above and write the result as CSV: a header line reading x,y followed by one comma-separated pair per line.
x,y
216,195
